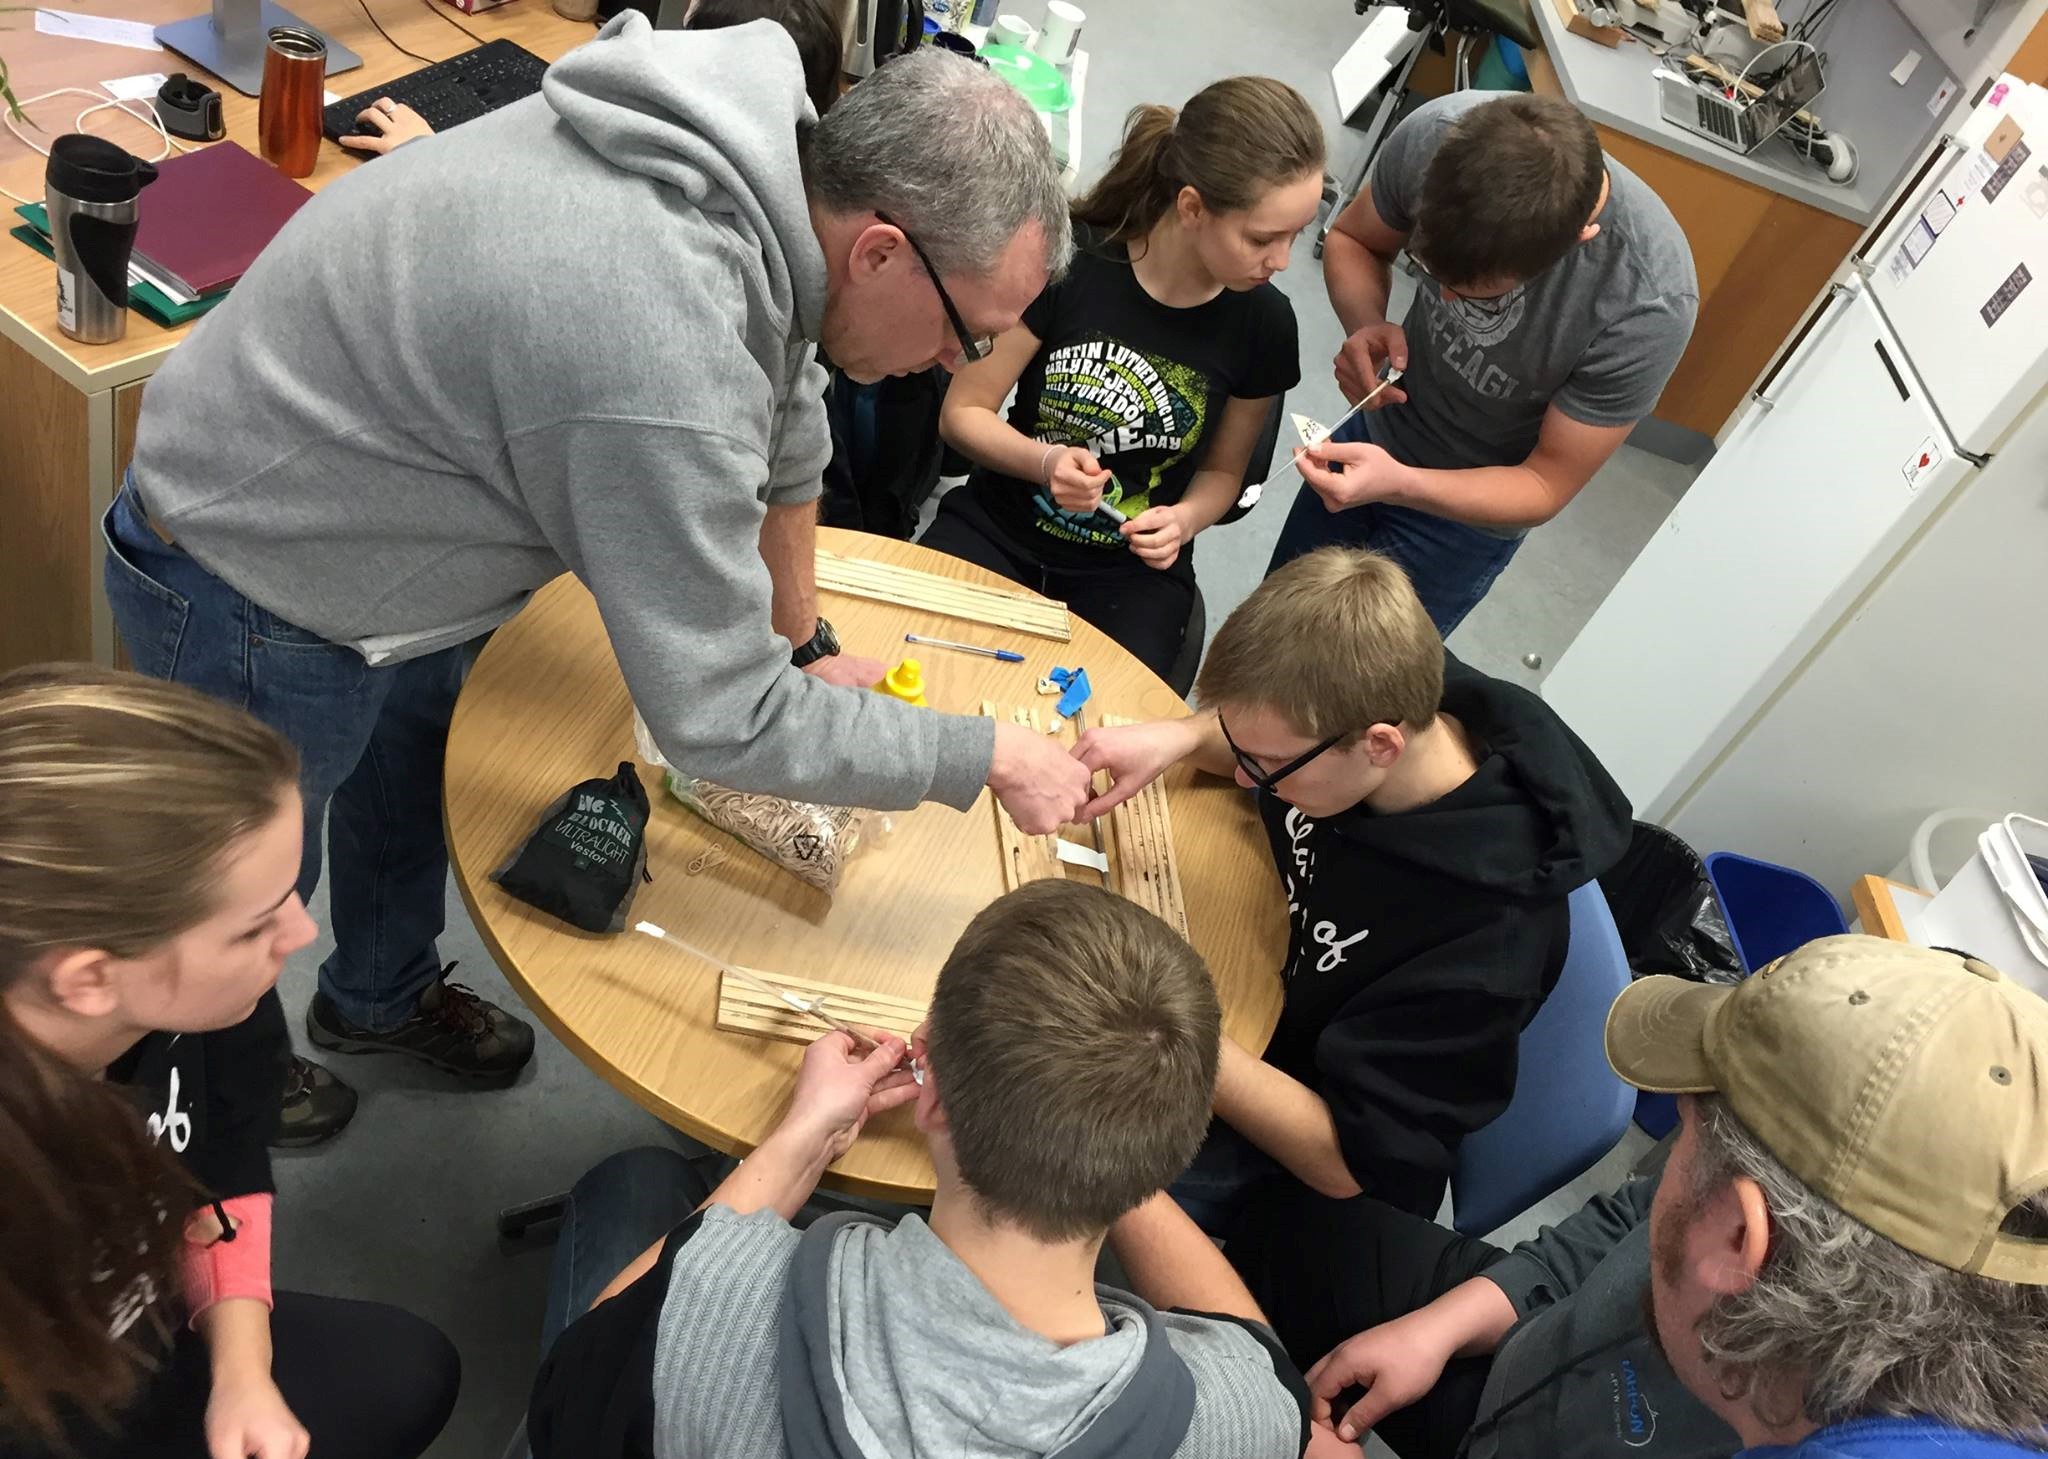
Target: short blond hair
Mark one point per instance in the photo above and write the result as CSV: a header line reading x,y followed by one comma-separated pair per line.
x,y
1334,642
1074,1037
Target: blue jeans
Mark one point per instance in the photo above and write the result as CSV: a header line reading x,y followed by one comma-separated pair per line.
x,y
621,1206
1215,1187
370,744
1452,565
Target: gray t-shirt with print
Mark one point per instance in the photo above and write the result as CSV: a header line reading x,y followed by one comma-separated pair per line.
x,y
1596,334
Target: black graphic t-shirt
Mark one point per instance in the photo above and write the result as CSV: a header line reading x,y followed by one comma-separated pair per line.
x,y
1137,383
211,1099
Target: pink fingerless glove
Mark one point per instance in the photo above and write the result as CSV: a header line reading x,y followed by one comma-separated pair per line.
x,y
236,1265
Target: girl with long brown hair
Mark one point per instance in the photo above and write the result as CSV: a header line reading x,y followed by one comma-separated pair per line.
x,y
149,848
1145,376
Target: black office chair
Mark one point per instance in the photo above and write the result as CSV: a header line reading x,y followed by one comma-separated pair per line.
x,y
1181,677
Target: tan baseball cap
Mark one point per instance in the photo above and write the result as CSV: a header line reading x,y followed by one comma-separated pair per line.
x,y
1903,1084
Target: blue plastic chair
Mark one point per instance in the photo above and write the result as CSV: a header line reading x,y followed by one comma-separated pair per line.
x,y
1569,1107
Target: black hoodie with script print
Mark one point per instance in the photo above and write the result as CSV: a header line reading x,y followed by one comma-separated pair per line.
x,y
1423,942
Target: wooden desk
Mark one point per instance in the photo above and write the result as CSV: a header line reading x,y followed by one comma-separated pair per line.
x,y
1882,906
68,410
545,707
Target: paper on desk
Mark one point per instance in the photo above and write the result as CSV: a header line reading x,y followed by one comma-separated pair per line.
x,y
135,88
137,33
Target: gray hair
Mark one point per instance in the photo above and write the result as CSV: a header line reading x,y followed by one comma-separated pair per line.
x,y
1871,1329
949,150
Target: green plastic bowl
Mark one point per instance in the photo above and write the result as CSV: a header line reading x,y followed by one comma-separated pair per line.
x,y
1032,74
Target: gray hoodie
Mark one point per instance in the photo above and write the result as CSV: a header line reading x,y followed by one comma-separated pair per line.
x,y
857,1340
574,334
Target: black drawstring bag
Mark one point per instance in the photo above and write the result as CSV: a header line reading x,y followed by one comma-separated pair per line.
x,y
581,862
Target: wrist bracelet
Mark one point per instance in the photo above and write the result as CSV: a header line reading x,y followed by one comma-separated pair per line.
x,y
1045,465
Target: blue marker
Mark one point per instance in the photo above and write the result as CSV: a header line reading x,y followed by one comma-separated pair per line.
x,y
966,648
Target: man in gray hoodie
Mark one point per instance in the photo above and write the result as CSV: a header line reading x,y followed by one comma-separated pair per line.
x,y
1063,1078
576,334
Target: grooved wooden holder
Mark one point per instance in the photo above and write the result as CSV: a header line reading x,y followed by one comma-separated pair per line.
x,y
1025,858
1141,863
743,1009
1138,842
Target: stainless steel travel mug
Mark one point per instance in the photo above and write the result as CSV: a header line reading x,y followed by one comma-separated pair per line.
x,y
90,189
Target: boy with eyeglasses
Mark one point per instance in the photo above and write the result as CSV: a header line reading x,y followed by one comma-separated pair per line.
x,y
1427,822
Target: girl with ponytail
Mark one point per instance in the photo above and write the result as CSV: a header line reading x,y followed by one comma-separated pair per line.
x,y
1145,376
149,849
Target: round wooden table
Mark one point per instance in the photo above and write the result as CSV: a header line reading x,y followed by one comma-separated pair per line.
x,y
546,707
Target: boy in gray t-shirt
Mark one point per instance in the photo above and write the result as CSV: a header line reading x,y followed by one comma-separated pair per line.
x,y
1558,295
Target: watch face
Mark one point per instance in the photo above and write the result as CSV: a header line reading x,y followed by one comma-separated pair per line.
x,y
826,642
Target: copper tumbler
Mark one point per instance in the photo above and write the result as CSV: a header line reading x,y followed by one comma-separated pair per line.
x,y
288,112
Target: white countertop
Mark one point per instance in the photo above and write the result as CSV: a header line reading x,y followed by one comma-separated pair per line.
x,y
1887,123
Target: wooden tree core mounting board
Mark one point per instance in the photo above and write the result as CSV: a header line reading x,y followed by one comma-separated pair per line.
x,y
908,587
1025,858
744,1009
1141,864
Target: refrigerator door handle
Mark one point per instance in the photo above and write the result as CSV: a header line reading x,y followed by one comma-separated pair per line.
x,y
1884,357
1837,291
1876,239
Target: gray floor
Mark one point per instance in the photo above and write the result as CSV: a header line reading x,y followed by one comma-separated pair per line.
x,y
400,1207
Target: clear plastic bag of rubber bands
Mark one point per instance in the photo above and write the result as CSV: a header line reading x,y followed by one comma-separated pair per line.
x,y
810,841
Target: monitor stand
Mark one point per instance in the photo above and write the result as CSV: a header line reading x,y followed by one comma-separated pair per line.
x,y
230,42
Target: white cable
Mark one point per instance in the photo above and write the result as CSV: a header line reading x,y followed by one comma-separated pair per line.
x,y
103,100
1743,75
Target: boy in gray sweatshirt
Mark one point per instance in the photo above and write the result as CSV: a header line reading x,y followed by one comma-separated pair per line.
x,y
1066,1071
575,335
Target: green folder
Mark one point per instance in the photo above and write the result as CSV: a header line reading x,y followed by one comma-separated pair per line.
x,y
151,301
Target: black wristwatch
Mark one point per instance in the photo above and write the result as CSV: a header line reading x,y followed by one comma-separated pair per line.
x,y
823,644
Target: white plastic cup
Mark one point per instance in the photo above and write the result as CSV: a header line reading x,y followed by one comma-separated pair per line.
x,y
1013,30
1062,33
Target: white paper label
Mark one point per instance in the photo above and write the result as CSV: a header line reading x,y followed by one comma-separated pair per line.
x,y
1921,462
138,34
1919,241
135,88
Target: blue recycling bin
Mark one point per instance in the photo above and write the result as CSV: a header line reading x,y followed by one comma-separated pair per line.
x,y
1771,909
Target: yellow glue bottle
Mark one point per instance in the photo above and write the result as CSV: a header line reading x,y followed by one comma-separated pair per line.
x,y
905,682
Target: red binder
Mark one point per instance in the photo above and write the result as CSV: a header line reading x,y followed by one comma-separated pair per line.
x,y
210,212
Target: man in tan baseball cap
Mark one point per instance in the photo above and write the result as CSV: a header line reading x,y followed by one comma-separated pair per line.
x,y
1849,1246
1846,1254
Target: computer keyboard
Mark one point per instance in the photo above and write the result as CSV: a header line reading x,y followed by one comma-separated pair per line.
x,y
1718,117
448,92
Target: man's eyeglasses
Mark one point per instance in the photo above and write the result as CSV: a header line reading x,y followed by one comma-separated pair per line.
x,y
973,347
1258,774
1489,304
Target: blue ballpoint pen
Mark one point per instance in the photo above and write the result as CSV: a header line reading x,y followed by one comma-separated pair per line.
x,y
1006,655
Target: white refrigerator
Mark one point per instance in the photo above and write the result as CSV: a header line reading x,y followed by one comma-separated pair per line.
x,y
1844,624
